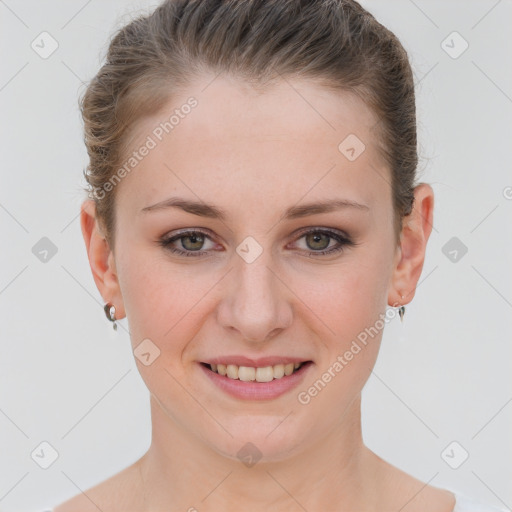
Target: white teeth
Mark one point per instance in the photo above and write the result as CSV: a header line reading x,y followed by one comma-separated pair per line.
x,y
278,371
262,374
232,371
265,374
288,368
246,373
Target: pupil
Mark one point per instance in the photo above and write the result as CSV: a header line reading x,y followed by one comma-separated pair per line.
x,y
317,237
194,239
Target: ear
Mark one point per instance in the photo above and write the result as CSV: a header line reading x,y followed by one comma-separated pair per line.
x,y
410,257
101,257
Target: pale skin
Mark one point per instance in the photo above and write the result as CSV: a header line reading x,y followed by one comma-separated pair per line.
x,y
254,155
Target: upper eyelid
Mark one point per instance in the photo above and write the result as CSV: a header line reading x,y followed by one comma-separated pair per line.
x,y
336,231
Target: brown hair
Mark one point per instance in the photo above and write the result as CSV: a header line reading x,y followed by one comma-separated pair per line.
x,y
336,42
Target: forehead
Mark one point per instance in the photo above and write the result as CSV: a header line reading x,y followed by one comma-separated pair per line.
x,y
285,137
289,108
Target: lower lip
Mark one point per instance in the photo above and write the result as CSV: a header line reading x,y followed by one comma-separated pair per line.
x,y
258,390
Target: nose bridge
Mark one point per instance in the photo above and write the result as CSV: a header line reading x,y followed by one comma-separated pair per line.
x,y
256,306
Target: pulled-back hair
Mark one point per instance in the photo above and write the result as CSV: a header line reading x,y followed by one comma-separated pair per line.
x,y
335,42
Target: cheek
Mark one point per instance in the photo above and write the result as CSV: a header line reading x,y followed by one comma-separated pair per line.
x,y
351,296
164,304
352,306
160,298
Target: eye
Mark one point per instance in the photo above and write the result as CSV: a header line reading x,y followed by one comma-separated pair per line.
x,y
191,243
320,241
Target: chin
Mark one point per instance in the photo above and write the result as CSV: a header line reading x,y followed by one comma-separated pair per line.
x,y
262,439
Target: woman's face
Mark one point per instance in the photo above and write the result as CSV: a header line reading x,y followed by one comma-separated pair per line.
x,y
254,284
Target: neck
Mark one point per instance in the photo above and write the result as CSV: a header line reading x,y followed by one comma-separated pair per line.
x,y
181,472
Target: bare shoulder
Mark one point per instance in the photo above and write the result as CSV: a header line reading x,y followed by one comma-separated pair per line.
x,y
121,492
406,493
425,497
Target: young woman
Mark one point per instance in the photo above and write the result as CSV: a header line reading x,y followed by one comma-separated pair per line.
x,y
254,210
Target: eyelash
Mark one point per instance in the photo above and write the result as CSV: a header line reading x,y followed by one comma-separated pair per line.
x,y
342,240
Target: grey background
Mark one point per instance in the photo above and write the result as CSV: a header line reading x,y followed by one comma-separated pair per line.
x,y
444,376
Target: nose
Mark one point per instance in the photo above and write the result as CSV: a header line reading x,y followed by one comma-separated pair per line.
x,y
256,303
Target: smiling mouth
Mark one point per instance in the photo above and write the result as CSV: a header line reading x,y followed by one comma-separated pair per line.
x,y
260,374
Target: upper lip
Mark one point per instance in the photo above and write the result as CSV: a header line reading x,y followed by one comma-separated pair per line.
x,y
260,362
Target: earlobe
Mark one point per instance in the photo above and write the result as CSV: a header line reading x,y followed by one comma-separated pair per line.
x,y
416,230
101,257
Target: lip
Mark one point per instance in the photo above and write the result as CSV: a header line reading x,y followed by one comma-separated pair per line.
x,y
258,390
260,362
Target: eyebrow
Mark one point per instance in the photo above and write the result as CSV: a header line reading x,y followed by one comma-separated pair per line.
x,y
203,209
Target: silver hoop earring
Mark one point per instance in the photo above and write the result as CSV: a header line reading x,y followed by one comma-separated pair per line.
x,y
110,311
